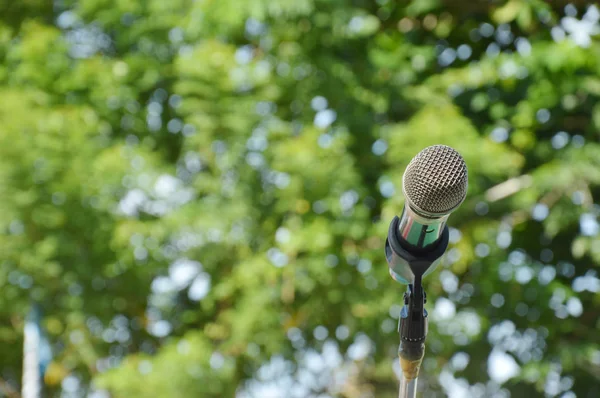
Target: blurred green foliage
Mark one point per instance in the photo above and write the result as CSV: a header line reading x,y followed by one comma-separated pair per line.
x,y
198,194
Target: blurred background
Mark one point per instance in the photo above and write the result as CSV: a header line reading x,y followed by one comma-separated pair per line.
x,y
195,195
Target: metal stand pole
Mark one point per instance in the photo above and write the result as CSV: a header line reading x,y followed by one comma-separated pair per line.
x,y
413,330
408,388
32,378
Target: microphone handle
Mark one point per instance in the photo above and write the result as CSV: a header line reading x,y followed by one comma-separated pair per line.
x,y
420,231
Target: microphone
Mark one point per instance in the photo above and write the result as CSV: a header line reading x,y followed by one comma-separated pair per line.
x,y
434,185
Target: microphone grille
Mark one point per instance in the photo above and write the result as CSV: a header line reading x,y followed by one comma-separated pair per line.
x,y
435,181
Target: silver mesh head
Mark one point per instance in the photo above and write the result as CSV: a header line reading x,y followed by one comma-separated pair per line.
x,y
435,181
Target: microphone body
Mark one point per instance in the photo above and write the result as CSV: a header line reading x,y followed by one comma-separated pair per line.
x,y
420,232
434,184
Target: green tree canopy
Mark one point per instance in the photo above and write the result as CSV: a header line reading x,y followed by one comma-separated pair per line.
x,y
198,193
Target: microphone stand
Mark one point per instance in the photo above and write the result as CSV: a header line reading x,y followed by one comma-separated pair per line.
x,y
409,264
412,327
